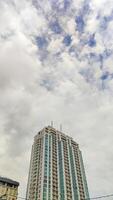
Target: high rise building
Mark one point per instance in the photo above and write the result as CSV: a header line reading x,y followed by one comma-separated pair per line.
x,y
56,168
8,189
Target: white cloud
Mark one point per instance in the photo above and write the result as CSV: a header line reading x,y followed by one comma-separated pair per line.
x,y
27,104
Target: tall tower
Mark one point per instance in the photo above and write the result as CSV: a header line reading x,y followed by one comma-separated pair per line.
x,y
56,168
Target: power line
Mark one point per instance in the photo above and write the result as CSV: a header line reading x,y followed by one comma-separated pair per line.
x,y
100,197
92,198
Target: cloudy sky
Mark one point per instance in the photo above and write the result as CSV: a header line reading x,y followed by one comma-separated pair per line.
x,y
56,63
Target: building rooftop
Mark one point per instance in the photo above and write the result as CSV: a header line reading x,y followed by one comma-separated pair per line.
x,y
9,181
51,128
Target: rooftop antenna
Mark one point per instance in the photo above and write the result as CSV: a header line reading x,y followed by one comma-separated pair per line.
x,y
61,127
51,123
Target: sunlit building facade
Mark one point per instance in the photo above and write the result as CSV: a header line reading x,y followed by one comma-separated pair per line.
x,y
8,189
56,168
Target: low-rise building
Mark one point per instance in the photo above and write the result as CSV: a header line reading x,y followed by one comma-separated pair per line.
x,y
8,189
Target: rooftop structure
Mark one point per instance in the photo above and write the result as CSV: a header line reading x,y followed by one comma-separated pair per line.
x,y
8,189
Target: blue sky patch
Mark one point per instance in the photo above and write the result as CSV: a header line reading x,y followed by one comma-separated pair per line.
x,y
80,19
105,76
67,40
104,22
66,4
61,6
92,41
41,42
58,16
55,27
86,8
80,23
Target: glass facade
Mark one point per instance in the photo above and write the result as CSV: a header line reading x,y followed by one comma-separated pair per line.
x,y
46,168
56,168
61,171
73,175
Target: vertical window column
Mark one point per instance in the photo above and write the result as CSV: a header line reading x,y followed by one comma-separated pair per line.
x,y
61,171
73,173
54,168
50,169
46,157
68,146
